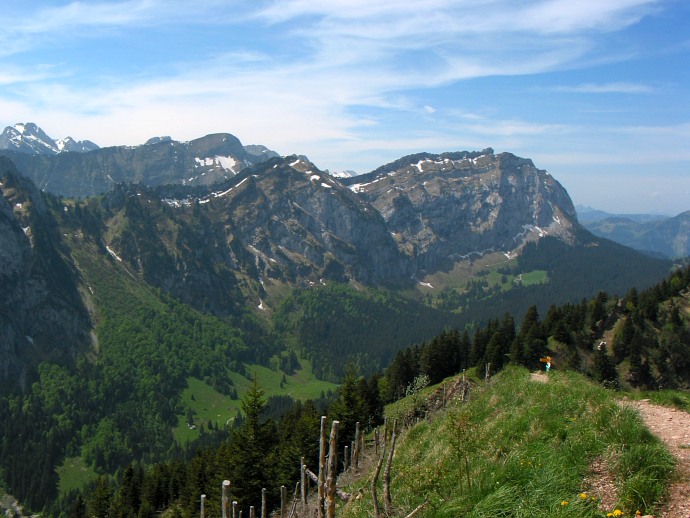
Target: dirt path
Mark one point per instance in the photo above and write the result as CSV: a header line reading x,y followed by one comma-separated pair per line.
x,y
673,428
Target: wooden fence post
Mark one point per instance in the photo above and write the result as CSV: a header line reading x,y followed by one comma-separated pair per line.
x,y
332,466
346,457
374,492
361,444
236,513
283,500
252,513
225,499
303,481
322,467
355,453
264,511
202,513
387,473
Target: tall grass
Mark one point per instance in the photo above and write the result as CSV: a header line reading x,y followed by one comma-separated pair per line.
x,y
523,449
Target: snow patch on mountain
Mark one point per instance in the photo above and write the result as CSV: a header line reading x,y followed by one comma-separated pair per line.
x,y
29,138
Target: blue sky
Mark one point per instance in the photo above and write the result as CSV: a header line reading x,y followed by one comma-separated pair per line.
x,y
597,92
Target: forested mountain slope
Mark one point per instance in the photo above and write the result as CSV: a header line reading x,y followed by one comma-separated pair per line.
x,y
122,308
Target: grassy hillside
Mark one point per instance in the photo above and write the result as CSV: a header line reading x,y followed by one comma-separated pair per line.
x,y
525,448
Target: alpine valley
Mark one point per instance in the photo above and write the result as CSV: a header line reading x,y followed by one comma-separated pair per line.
x,y
134,280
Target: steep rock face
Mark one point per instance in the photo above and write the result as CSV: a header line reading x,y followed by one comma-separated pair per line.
x,y
41,313
451,206
298,220
284,220
202,161
287,220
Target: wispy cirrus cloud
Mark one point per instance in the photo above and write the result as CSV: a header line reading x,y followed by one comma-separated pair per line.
x,y
607,88
351,83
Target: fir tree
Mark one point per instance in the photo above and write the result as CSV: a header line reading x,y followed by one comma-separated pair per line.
x,y
603,370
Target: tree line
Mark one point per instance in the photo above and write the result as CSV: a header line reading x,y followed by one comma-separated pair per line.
x,y
263,452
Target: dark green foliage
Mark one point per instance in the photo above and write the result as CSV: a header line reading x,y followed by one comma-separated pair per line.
x,y
604,370
364,327
442,356
499,345
582,271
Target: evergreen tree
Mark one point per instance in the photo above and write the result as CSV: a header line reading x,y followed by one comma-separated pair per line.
x,y
250,448
604,370
498,348
597,312
623,339
351,407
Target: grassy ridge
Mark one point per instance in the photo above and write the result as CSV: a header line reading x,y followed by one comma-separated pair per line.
x,y
521,448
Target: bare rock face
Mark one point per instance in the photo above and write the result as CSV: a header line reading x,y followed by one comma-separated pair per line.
x,y
287,220
456,205
299,218
40,310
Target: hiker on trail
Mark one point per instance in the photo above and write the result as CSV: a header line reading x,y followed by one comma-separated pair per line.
x,y
547,361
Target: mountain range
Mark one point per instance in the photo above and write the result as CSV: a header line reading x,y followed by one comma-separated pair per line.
x,y
81,169
135,280
658,235
29,138
222,229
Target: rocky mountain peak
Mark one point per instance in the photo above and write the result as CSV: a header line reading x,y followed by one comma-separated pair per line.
x,y
81,146
455,205
30,139
157,140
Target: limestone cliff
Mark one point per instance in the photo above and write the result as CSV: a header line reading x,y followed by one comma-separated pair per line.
x,y
41,311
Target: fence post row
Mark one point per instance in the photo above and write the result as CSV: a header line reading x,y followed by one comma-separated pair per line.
x,y
326,479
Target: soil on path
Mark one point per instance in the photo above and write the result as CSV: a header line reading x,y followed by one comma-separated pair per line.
x,y
672,427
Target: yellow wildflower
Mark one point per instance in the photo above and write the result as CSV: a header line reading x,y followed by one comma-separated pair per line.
x,y
564,503
583,495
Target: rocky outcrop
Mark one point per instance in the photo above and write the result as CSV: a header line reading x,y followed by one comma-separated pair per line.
x,y
289,221
454,206
41,313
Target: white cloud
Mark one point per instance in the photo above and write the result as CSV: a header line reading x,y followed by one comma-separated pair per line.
x,y
607,88
351,83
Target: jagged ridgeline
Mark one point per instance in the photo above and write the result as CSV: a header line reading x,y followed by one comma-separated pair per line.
x,y
121,309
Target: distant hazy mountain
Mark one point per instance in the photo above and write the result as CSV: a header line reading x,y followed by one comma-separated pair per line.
x,y
94,170
650,233
30,139
587,215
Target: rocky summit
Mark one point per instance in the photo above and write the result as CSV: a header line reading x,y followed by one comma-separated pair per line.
x,y
449,207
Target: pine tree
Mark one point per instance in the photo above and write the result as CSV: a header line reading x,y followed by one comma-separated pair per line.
x,y
250,448
603,370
